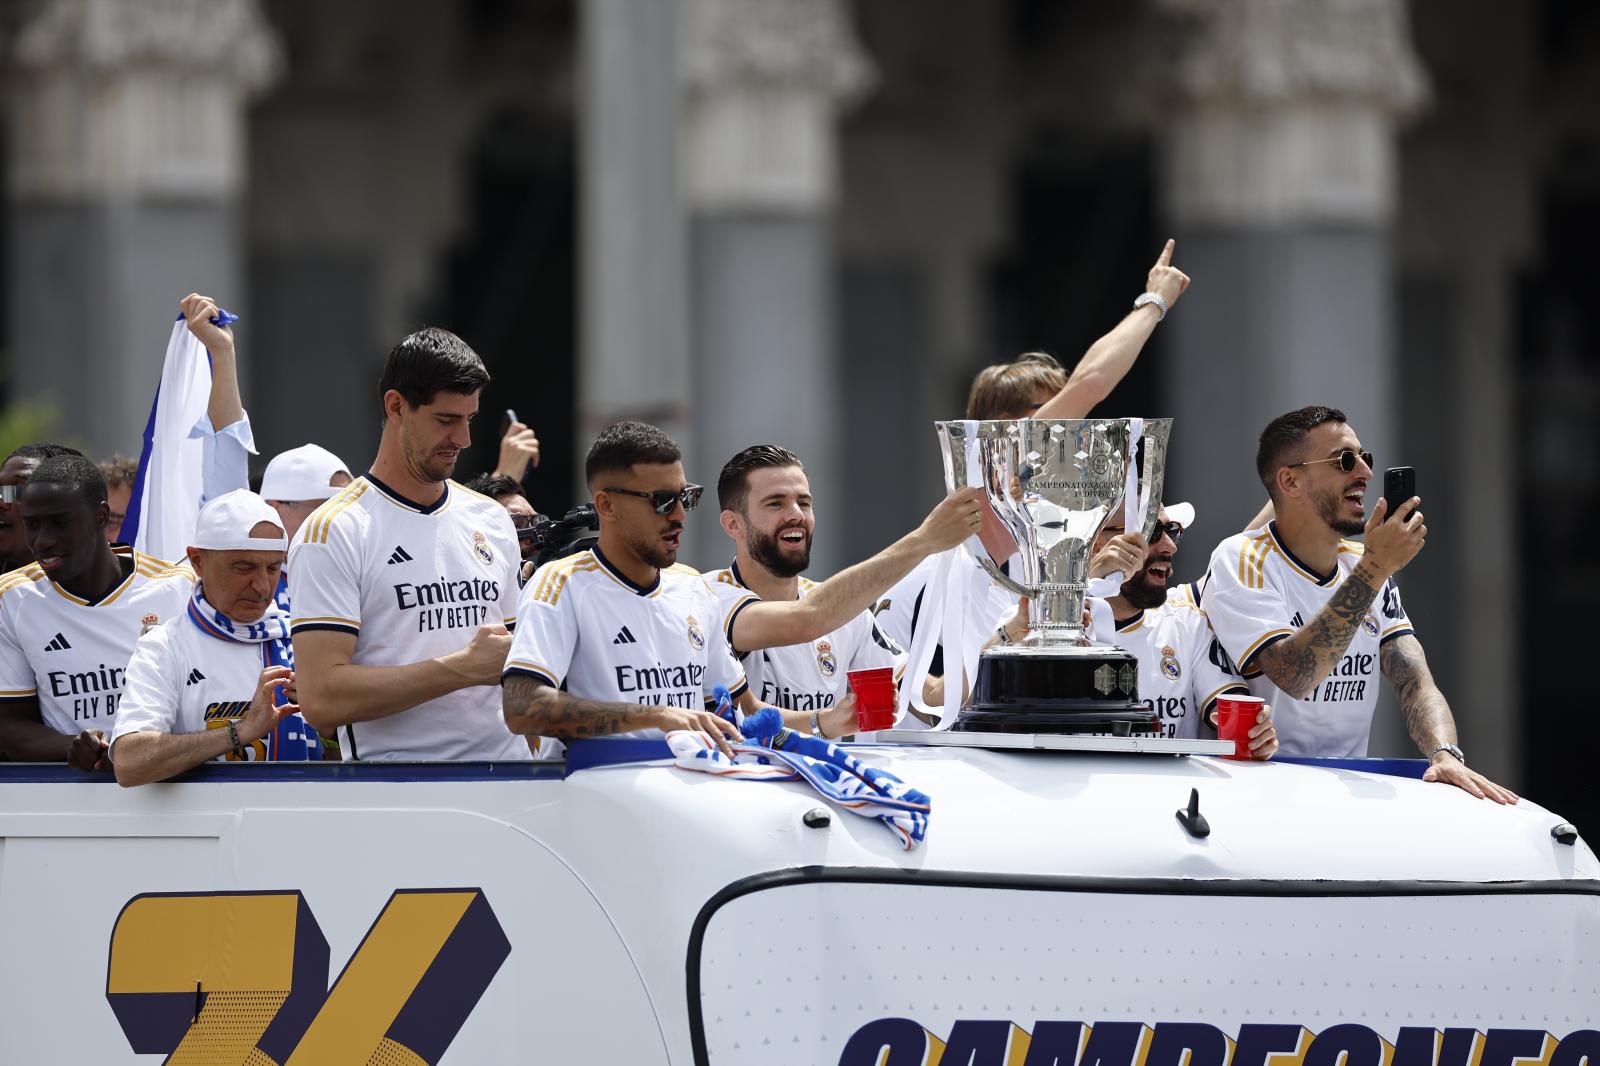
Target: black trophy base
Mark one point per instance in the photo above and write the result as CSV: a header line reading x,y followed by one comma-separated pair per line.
x,y
1092,689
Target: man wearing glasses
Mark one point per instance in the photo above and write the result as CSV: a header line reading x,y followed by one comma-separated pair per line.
x,y
1311,617
1182,667
619,639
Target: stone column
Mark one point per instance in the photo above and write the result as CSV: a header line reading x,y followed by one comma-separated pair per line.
x,y
125,167
765,81
1280,183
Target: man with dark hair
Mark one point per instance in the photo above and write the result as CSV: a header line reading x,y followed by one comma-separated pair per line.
x,y
619,639
69,622
766,510
403,585
507,492
120,473
1292,602
14,474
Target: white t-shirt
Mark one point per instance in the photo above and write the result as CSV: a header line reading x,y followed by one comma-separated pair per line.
x,y
1182,666
808,677
900,613
71,654
1257,593
181,680
411,583
589,629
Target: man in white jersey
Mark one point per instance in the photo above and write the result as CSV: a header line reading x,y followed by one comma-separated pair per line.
x,y
69,621
620,640
1182,666
766,509
210,683
1294,603
403,586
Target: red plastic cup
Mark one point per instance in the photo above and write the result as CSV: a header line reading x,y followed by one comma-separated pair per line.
x,y
875,697
1236,716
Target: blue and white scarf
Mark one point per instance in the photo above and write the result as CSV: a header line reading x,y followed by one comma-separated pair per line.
x,y
293,739
771,752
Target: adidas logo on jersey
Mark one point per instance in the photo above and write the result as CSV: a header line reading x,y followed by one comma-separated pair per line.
x,y
58,643
195,676
1297,621
399,555
624,637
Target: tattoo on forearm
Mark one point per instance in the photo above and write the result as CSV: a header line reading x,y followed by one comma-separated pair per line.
x,y
1427,713
531,706
1297,664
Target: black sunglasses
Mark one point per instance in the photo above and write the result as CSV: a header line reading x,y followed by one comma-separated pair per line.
x,y
1169,529
662,501
1346,460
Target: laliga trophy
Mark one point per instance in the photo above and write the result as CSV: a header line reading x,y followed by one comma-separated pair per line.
x,y
1052,483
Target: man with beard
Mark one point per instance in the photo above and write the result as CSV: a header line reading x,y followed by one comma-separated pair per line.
x,y
403,585
1293,602
1182,667
14,473
69,622
766,510
620,640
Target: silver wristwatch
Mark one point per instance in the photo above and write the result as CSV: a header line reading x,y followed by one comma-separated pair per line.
x,y
1452,749
1152,298
816,726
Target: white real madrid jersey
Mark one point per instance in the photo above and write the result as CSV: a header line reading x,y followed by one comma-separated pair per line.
x,y
1257,593
900,613
808,677
71,654
589,629
411,583
1182,666
180,680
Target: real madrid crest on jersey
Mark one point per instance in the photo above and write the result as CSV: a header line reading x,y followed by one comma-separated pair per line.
x,y
1370,624
1169,664
697,637
825,660
148,622
480,547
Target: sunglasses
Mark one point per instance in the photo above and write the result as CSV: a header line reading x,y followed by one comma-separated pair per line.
x,y
1346,460
1167,529
662,501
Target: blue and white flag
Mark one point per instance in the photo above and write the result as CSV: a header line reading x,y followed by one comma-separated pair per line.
x,y
171,483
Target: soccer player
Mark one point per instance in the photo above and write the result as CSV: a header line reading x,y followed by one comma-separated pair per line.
x,y
1311,617
1182,667
404,584
766,510
69,621
618,639
207,684
14,473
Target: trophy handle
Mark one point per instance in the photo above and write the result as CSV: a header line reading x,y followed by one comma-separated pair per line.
x,y
1003,579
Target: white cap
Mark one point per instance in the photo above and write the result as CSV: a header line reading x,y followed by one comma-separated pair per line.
x,y
225,524
1181,513
302,473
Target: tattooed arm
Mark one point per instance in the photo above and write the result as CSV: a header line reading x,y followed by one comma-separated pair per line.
x,y
1298,664
1428,718
533,707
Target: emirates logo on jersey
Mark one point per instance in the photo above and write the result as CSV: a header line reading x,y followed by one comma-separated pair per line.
x,y
825,660
148,622
480,547
697,636
1169,664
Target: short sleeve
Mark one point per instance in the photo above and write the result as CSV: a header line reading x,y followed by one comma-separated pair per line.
x,y
876,650
17,680
730,600
1246,612
325,577
1392,620
896,612
1211,671
150,695
511,565
721,667
547,627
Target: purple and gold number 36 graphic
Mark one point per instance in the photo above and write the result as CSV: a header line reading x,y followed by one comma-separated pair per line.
x,y
242,977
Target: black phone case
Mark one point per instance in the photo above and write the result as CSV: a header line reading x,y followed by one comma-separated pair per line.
x,y
1399,485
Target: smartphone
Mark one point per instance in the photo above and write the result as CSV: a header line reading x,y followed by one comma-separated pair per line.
x,y
1399,485
506,422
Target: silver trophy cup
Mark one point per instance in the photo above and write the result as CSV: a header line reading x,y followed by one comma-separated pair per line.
x,y
1053,483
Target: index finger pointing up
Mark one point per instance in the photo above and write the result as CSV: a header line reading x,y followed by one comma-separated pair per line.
x,y
1166,253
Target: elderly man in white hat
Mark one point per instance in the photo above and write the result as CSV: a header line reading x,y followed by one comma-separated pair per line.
x,y
296,483
210,683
